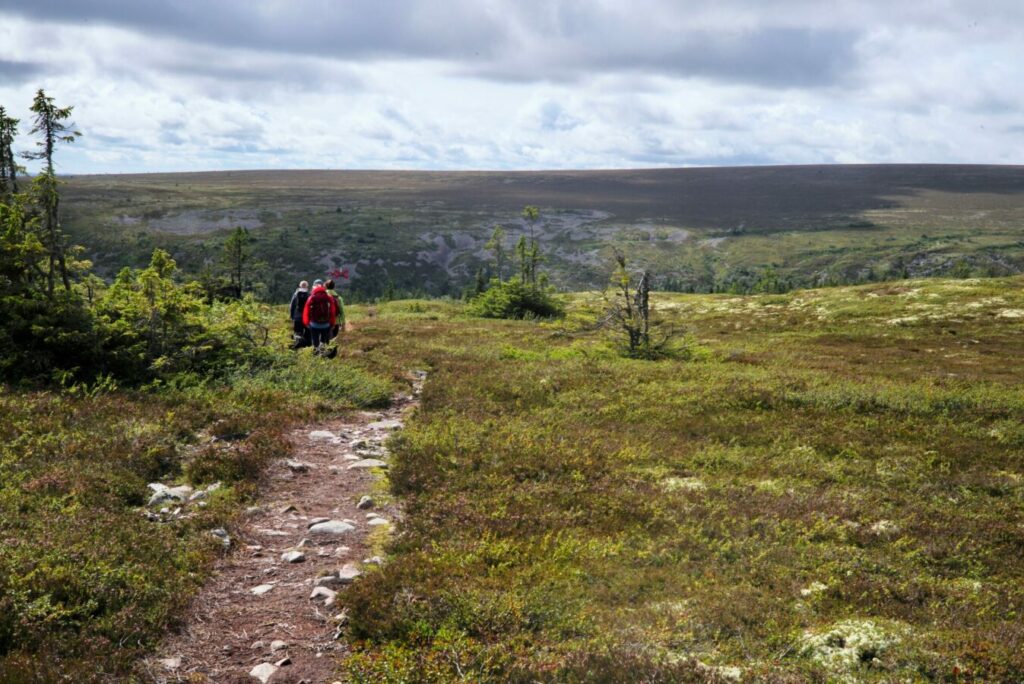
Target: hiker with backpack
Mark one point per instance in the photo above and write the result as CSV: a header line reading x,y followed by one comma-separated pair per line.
x,y
339,326
296,309
320,315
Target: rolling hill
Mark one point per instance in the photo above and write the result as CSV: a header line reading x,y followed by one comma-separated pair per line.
x,y
707,229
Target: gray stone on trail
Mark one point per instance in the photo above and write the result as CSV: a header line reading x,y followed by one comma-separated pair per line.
x,y
284,661
390,424
263,672
293,556
365,503
371,516
278,645
332,527
327,581
322,592
368,463
297,466
261,589
157,486
377,522
287,509
316,521
373,560
349,574
324,436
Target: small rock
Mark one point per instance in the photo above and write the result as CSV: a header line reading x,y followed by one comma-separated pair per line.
x,y
222,534
365,503
293,556
278,645
322,592
373,560
348,574
258,644
287,509
367,463
297,466
377,522
171,663
385,425
327,581
332,527
255,548
261,589
317,521
283,661
304,544
341,618
324,436
157,486
196,496
226,648
371,516
263,672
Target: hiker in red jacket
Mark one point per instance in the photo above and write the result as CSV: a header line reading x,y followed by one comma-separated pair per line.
x,y
319,315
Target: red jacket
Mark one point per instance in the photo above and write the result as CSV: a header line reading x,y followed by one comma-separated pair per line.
x,y
309,300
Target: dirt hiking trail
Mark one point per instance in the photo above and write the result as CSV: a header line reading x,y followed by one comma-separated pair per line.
x,y
268,614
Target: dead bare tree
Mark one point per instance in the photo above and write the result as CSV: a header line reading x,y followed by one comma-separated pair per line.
x,y
628,309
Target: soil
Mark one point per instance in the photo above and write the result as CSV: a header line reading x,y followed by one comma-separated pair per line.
x,y
228,630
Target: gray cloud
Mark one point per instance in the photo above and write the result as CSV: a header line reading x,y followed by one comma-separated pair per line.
x,y
381,28
519,42
20,72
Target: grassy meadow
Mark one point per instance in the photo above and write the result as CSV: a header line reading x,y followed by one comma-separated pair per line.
x,y
825,485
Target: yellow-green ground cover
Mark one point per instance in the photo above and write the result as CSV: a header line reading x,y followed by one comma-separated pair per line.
x,y
829,487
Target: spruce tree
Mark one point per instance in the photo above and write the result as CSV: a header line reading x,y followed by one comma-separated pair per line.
x,y
8,167
52,123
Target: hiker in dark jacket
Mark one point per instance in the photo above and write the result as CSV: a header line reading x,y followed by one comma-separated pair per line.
x,y
320,315
339,326
298,305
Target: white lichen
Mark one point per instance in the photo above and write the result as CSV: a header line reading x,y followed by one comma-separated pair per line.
x,y
849,644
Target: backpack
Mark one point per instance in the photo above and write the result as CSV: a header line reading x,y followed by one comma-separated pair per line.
x,y
320,307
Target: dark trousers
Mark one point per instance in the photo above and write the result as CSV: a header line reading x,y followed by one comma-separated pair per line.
x,y
320,335
301,331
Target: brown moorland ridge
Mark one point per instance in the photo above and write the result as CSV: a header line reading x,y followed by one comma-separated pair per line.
x,y
775,196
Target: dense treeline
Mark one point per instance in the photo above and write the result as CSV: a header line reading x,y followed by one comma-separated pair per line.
x,y
60,323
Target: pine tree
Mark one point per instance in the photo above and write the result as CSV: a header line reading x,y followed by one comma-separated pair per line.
x,y
52,123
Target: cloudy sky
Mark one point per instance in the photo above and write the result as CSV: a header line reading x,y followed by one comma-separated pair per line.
x,y
162,85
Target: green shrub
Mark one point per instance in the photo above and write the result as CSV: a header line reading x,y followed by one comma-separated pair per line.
x,y
517,300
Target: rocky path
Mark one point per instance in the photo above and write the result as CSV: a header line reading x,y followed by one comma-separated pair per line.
x,y
269,614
